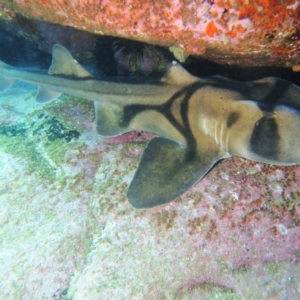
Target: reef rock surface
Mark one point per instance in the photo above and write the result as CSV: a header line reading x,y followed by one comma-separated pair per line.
x,y
253,33
67,231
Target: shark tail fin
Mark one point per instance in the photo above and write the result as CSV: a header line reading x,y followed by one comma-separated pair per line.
x,y
64,64
5,82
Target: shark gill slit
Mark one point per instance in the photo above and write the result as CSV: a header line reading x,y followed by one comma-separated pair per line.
x,y
221,135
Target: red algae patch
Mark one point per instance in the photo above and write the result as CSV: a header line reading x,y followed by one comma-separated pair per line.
x,y
211,28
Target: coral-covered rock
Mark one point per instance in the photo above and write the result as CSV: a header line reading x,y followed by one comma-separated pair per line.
x,y
260,32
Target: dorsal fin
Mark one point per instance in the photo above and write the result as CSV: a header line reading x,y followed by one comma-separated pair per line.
x,y
176,74
64,64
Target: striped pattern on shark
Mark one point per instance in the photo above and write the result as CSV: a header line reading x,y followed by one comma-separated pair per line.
x,y
200,120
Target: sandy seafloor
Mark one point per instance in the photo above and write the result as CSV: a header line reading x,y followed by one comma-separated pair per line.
x,y
67,231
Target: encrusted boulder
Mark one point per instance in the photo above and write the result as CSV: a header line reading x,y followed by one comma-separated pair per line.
x,y
260,32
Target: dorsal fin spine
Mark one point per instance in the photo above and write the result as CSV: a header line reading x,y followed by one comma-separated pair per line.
x,y
177,75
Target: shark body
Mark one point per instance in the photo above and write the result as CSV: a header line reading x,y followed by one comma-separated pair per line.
x,y
200,121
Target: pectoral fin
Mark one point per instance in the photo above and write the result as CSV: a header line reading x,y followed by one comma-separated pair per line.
x,y
108,119
45,95
166,171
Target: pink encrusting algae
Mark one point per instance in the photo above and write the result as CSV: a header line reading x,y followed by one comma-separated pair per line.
x,y
224,31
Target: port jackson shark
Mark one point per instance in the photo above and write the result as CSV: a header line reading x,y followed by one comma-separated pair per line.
x,y
199,120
